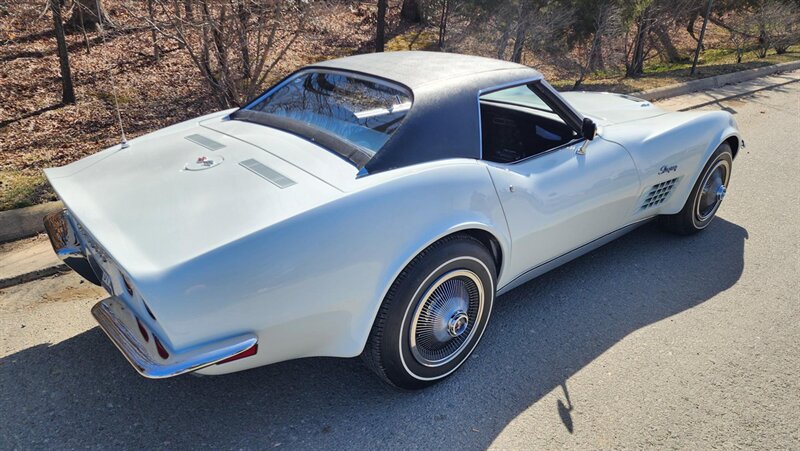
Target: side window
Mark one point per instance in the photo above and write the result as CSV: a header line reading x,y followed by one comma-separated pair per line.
x,y
516,124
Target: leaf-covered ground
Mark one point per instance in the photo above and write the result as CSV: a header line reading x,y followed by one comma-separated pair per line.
x,y
37,132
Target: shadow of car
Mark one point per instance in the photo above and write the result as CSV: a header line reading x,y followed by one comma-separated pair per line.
x,y
81,392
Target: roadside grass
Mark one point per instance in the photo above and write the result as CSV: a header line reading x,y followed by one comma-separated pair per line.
x,y
415,39
712,62
19,189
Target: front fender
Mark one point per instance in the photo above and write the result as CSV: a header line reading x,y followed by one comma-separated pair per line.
x,y
722,127
674,145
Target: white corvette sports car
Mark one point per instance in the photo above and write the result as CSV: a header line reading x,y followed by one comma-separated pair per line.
x,y
372,205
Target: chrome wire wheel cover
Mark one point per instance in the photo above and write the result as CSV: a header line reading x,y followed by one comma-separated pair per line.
x,y
446,316
713,190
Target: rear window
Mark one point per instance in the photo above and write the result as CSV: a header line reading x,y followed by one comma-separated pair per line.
x,y
361,111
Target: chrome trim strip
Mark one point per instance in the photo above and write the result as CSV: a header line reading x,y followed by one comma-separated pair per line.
x,y
147,362
67,244
554,263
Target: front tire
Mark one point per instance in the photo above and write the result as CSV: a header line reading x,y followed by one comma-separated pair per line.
x,y
706,196
434,314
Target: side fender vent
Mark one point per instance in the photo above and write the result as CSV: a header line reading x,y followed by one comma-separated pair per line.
x,y
658,194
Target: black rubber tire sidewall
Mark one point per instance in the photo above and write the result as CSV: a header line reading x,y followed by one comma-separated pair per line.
x,y
399,365
684,222
722,153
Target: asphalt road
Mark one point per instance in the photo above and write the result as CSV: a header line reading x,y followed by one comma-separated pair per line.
x,y
651,341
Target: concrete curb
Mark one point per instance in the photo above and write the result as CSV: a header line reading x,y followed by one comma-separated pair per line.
x,y
718,81
25,222
33,275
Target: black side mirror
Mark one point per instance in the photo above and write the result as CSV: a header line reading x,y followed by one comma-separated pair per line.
x,y
588,129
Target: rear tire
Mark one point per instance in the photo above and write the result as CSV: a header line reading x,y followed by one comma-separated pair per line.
x,y
433,315
706,196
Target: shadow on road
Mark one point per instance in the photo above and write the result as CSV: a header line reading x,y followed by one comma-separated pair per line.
x,y
81,392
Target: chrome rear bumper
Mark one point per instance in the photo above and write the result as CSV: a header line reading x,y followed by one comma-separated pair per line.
x,y
128,334
149,354
68,246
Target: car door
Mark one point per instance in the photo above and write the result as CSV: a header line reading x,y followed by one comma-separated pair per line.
x,y
561,200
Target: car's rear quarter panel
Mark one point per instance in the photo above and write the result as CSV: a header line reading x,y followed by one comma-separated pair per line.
x,y
311,285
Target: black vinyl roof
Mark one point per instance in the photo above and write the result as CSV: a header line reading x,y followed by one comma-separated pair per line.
x,y
444,119
416,69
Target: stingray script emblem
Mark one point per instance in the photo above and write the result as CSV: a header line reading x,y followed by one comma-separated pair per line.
x,y
667,169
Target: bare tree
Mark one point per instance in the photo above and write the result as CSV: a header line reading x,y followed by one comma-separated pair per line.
x,y
654,15
607,21
234,44
521,31
643,24
443,18
742,32
88,13
669,51
532,26
777,24
502,20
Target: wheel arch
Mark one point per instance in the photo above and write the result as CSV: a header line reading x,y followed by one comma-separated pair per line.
x,y
490,241
494,242
733,141
727,133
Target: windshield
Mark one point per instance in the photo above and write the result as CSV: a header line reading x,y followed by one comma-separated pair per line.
x,y
361,111
518,95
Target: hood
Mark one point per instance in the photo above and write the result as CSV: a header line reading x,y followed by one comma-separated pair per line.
x,y
607,108
187,189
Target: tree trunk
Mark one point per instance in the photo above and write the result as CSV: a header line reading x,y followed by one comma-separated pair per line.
x,y
520,33
502,43
596,61
519,43
153,32
93,12
380,29
579,81
636,65
411,11
67,90
763,42
243,16
670,51
443,22
690,25
83,31
187,6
